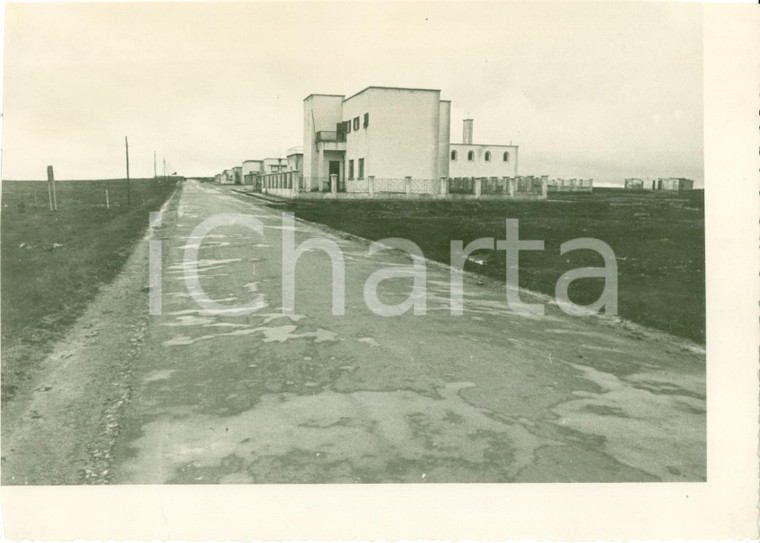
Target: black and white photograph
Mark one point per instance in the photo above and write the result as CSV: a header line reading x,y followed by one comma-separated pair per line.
x,y
354,243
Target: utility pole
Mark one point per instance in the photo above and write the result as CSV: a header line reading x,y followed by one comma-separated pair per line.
x,y
129,194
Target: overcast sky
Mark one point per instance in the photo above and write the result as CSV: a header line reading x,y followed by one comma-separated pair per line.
x,y
601,90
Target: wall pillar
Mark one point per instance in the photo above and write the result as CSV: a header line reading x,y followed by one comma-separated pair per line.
x,y
333,183
371,185
408,185
320,167
478,182
544,186
444,186
511,181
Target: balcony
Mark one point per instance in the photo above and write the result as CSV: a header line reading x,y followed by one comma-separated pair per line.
x,y
330,136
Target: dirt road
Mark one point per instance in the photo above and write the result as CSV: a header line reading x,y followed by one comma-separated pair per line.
x,y
200,396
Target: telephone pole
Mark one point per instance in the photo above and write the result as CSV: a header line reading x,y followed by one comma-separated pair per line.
x,y
129,194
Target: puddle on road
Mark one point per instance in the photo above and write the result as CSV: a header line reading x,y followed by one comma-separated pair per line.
x,y
159,375
278,334
369,341
365,436
660,433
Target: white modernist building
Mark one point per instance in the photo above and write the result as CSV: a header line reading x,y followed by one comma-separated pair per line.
x,y
392,133
385,132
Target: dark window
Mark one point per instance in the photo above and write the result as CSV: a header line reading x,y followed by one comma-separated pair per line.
x,y
348,127
506,156
356,123
350,169
470,155
361,169
488,156
453,155
366,120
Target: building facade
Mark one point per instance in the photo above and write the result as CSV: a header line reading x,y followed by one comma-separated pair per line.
x,y
385,132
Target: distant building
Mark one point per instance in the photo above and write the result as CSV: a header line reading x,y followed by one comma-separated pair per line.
x,y
636,183
227,177
252,171
275,165
295,159
679,184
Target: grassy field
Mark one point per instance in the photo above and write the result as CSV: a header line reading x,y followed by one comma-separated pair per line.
x,y
658,239
53,263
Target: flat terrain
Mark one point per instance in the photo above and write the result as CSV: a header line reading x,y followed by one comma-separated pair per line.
x,y
53,263
198,395
658,239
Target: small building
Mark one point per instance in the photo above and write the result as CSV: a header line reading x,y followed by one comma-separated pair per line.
x,y
479,160
237,175
251,171
227,177
679,184
274,165
295,159
637,183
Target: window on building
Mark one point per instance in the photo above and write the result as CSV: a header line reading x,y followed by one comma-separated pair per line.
x,y
470,155
366,120
356,123
361,169
488,156
348,127
350,169
453,155
506,156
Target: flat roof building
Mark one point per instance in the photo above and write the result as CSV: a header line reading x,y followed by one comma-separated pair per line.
x,y
392,133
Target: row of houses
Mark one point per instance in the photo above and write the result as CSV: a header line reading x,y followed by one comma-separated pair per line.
x,y
385,141
679,184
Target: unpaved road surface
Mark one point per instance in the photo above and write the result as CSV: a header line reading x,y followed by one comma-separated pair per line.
x,y
200,396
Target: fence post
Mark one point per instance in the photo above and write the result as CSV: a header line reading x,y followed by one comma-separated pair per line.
x,y
478,187
333,183
51,189
544,186
444,186
408,185
371,185
511,181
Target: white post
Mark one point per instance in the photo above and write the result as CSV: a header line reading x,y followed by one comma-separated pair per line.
x,y
544,186
371,185
478,182
333,183
444,186
511,181
408,185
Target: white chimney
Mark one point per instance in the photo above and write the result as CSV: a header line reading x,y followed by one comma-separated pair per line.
x,y
467,132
